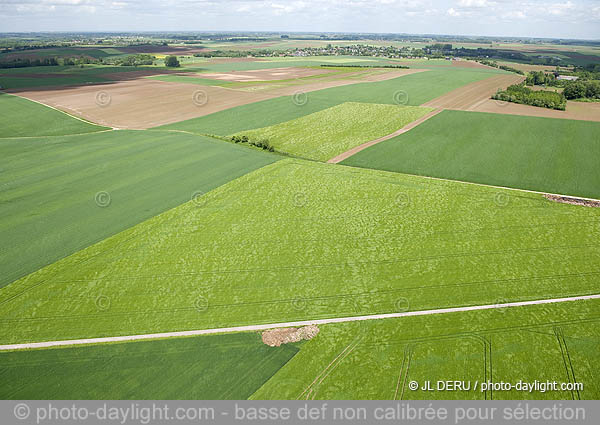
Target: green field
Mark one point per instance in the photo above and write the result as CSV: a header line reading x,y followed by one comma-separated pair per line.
x,y
414,89
231,366
304,240
17,113
541,154
50,185
56,76
330,132
378,359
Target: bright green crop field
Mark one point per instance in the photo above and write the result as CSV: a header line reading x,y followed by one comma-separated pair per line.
x,y
542,154
61,194
330,132
378,359
413,89
18,113
231,366
304,240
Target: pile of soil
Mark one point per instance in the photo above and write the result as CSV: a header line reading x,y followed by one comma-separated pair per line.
x,y
573,201
276,337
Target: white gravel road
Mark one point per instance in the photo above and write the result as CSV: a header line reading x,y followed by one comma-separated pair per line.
x,y
263,327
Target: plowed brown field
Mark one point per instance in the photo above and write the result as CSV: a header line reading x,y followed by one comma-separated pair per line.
x,y
142,103
467,97
586,111
265,74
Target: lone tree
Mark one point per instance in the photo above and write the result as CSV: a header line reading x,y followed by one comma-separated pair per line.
x,y
172,62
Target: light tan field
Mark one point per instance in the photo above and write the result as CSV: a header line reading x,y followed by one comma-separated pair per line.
x,y
527,67
282,88
142,103
469,64
586,111
467,97
265,74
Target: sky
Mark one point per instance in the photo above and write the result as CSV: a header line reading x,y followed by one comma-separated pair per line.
x,y
531,18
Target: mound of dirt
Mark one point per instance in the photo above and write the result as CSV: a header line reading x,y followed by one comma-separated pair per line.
x,y
573,201
276,337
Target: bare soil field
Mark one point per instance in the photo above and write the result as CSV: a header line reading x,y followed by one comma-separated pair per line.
x,y
306,86
133,75
586,111
163,50
467,97
141,103
469,64
266,74
133,102
527,67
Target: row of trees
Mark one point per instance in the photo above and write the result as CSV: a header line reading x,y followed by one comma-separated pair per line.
x,y
130,60
24,63
503,67
518,93
262,144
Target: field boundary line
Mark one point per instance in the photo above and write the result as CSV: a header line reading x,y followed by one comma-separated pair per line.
x,y
263,327
407,127
62,112
537,192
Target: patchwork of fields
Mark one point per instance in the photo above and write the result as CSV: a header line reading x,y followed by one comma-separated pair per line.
x,y
378,359
327,133
49,122
413,89
170,226
62,194
299,240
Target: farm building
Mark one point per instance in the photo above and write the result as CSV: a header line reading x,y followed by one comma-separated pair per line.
x,y
567,77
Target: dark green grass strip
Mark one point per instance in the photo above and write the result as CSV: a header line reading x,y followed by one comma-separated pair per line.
x,y
49,185
201,368
22,117
541,154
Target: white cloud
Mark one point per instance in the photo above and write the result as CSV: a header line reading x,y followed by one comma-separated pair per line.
x,y
475,3
453,12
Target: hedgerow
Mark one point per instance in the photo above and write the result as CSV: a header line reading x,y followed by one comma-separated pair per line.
x,y
518,93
